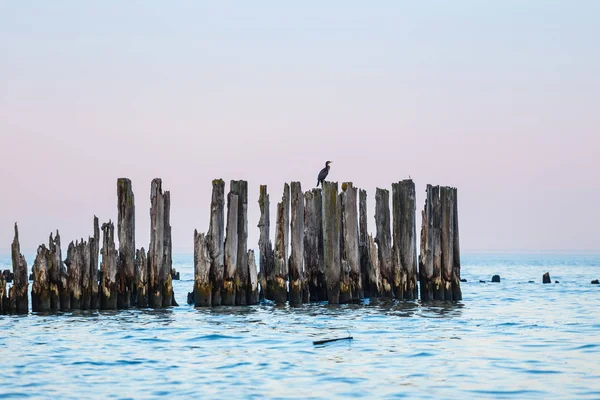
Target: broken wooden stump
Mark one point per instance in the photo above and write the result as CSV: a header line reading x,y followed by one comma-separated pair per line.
x,y
242,278
313,245
253,295
546,278
126,236
40,290
440,255
141,278
280,270
202,293
3,296
350,279
296,260
231,244
94,260
216,239
74,263
265,247
331,240
108,269
383,239
405,240
18,296
159,254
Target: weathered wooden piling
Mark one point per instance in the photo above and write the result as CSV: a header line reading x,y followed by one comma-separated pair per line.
x,y
74,263
94,260
216,239
440,255
242,278
384,241
280,271
313,245
3,296
253,296
331,240
18,296
369,266
202,293
55,269
350,282
405,241
86,284
159,254
265,247
231,244
141,278
126,235
108,268
296,261
40,291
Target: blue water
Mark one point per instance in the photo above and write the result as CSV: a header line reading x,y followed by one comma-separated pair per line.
x,y
512,339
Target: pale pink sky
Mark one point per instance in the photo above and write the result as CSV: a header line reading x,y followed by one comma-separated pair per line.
x,y
499,100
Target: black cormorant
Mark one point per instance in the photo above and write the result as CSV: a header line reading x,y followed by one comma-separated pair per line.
x,y
323,173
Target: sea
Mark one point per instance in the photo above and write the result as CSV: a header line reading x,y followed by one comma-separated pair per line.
x,y
517,339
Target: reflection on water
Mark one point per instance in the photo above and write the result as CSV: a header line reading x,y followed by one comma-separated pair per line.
x,y
510,339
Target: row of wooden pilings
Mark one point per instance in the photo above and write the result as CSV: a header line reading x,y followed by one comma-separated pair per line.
x,y
127,277
332,256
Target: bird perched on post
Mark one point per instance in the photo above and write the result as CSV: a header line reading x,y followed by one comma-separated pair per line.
x,y
323,173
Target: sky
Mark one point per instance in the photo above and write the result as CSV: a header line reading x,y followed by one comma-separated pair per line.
x,y
499,99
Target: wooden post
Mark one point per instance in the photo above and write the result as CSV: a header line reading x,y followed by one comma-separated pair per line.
x,y
231,244
373,272
74,263
431,253
108,269
280,272
55,271
242,278
253,296
216,239
313,245
167,265
383,240
331,240
456,291
369,264
86,284
141,278
40,291
94,259
447,243
3,296
405,247
296,260
157,237
202,294
18,296
267,261
126,235
351,283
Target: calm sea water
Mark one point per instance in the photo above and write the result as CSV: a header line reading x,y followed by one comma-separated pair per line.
x,y
512,339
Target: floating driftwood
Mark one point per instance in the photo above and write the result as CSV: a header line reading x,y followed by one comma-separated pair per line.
x,y
325,341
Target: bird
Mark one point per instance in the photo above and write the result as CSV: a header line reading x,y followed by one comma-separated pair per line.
x,y
323,174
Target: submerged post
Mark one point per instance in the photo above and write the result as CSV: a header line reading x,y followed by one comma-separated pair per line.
x,y
296,261
18,296
313,245
216,239
383,240
405,245
108,269
202,293
231,244
126,235
331,240
266,262
280,272
242,278
351,283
